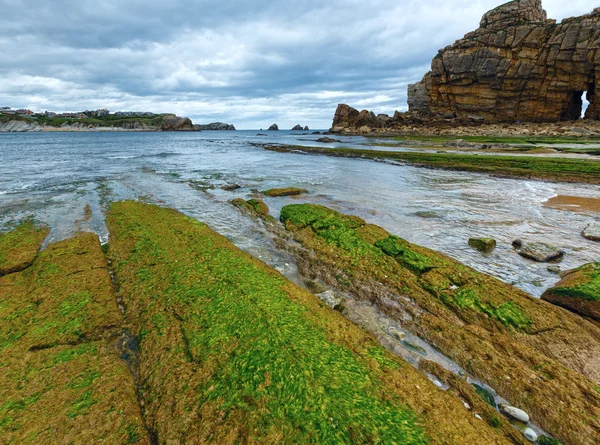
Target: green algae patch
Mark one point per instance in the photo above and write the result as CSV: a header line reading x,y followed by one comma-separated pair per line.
x,y
482,244
232,352
255,208
288,191
400,249
73,293
578,291
19,247
68,394
528,350
62,380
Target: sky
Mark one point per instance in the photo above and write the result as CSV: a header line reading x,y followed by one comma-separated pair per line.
x,y
250,63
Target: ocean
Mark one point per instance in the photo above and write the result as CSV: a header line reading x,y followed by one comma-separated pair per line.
x,y
53,176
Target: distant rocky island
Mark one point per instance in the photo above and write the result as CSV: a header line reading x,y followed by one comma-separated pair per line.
x,y
518,67
24,120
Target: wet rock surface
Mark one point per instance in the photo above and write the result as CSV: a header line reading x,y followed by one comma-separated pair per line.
x,y
592,232
540,252
483,244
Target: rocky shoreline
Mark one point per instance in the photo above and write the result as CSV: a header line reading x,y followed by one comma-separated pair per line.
x,y
168,122
519,348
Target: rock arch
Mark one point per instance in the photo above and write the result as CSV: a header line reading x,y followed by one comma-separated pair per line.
x,y
517,66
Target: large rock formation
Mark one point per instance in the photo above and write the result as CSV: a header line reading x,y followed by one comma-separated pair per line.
x,y
518,66
175,123
218,126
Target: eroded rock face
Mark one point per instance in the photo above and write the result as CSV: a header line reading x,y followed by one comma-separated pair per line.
x,y
176,123
518,66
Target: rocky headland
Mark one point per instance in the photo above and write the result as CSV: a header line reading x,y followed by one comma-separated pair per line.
x,y
516,71
163,122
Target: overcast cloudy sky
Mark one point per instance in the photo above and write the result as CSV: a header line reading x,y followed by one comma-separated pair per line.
x,y
246,62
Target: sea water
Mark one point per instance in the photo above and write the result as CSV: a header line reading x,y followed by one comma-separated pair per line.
x,y
53,176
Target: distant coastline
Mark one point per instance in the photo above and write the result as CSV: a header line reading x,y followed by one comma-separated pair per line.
x,y
19,121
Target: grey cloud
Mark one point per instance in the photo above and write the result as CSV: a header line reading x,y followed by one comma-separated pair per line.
x,y
248,63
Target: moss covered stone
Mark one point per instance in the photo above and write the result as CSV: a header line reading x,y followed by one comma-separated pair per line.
x,y
578,291
231,351
62,380
482,244
288,191
19,247
498,333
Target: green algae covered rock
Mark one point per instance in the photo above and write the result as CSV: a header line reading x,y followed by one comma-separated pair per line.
x,y
19,247
62,379
498,333
578,291
233,352
289,191
482,244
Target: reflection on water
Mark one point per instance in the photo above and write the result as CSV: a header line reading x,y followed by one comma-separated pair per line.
x,y
52,176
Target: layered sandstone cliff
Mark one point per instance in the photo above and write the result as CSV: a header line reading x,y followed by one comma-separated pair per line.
x,y
518,66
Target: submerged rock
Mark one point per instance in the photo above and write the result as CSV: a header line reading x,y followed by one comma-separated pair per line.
x,y
592,232
483,244
327,140
540,252
513,413
231,187
578,291
428,215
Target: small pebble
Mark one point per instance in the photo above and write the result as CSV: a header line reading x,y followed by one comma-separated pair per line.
x,y
530,435
514,413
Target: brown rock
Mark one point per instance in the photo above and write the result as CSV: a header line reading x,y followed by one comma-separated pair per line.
x,y
518,66
176,123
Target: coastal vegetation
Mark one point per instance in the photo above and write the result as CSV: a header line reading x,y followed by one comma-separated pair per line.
x,y
528,167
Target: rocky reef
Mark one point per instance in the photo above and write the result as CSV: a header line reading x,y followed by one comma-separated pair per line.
x,y
195,341
531,352
517,66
